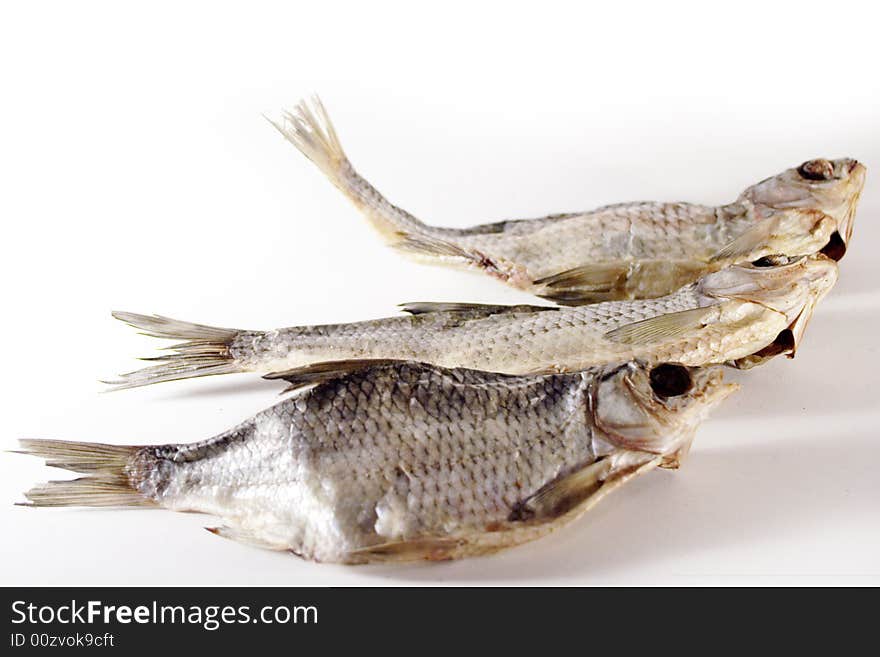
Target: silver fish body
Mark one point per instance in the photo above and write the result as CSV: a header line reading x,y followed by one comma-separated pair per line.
x,y
726,316
408,461
625,251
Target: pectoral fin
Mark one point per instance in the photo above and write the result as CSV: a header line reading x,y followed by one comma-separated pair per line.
x,y
573,494
671,325
564,493
748,245
553,506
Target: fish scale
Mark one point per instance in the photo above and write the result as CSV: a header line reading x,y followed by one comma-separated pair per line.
x,y
377,459
652,230
632,250
436,462
727,315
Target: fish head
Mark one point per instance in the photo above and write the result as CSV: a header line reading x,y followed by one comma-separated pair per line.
x,y
791,286
814,205
656,408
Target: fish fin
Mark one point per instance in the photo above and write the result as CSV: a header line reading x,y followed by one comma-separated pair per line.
x,y
240,535
423,548
157,326
300,377
578,297
308,127
519,224
747,245
435,247
204,352
424,307
555,505
598,278
109,469
564,493
621,279
661,327
574,493
586,284
674,460
423,245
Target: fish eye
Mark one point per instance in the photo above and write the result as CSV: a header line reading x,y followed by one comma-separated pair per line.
x,y
670,380
836,248
771,261
816,170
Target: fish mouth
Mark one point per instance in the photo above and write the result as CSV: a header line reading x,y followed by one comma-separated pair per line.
x,y
786,289
723,391
797,328
714,389
764,277
821,285
783,344
664,422
836,247
709,387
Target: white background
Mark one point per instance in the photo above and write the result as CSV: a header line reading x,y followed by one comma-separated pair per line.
x,y
137,173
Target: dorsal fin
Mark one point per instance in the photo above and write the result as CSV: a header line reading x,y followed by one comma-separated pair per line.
x,y
424,307
576,297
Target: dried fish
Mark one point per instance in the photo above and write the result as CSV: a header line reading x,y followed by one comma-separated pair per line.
x,y
624,251
726,316
400,461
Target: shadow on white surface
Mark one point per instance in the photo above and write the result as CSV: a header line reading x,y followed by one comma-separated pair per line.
x,y
221,387
202,212
750,500
788,461
832,373
736,497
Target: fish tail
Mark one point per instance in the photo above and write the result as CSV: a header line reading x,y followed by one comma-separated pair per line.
x,y
112,473
205,351
308,127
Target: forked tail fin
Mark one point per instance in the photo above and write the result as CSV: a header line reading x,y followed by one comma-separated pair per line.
x,y
112,472
308,127
203,352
